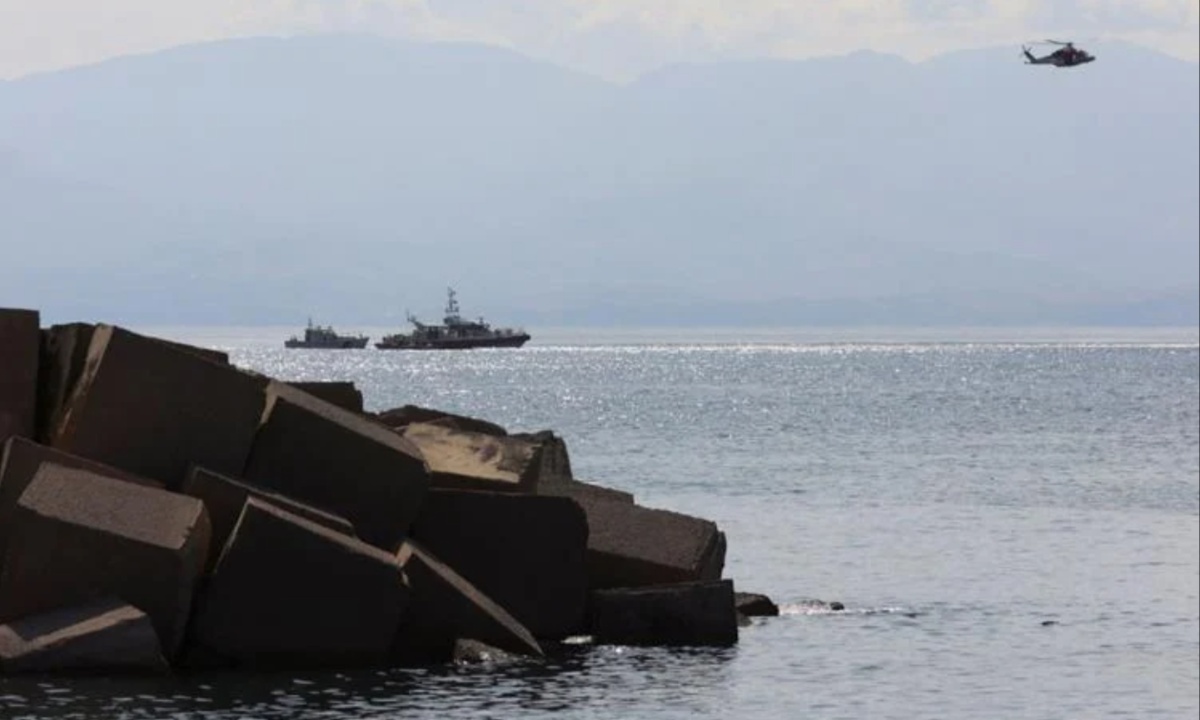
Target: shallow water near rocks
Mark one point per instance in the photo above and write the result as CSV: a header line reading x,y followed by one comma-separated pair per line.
x,y
1011,524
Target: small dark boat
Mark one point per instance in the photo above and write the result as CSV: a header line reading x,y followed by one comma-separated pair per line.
x,y
323,337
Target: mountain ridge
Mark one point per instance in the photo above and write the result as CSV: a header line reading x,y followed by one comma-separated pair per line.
x,y
395,168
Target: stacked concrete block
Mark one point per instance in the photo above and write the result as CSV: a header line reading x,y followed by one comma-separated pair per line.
x,y
343,394
21,460
445,608
525,552
20,339
77,535
465,460
697,613
554,462
63,354
340,462
585,491
288,592
160,508
154,409
226,497
401,417
103,635
631,546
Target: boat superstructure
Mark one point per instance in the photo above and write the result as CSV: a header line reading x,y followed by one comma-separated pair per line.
x,y
455,333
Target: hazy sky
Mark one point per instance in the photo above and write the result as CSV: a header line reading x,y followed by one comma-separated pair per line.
x,y
615,38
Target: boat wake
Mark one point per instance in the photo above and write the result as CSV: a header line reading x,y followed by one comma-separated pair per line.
x,y
820,607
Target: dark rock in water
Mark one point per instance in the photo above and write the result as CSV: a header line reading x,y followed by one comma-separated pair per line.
x,y
755,605
104,635
836,606
399,418
696,613
474,652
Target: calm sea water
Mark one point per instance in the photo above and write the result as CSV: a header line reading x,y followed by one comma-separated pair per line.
x,y
1010,517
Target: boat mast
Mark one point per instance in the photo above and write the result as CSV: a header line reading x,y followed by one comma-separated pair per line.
x,y
451,307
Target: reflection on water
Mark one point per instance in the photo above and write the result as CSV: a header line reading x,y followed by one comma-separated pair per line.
x,y
606,679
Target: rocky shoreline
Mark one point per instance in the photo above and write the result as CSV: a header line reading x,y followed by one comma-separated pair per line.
x,y
164,510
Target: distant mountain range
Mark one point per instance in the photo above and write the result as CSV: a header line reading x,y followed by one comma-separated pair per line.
x,y
351,178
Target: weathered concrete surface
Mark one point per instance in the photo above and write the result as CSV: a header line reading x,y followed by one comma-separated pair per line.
x,y
288,592
104,635
463,460
343,394
77,535
64,351
340,462
525,552
154,409
19,462
399,418
631,546
20,340
445,608
700,613
585,491
225,498
217,356
755,605
554,462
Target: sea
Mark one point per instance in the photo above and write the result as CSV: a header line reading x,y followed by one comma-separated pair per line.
x,y
1009,516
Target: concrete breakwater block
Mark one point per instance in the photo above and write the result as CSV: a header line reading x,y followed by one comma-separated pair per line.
x,y
20,340
586,491
444,608
697,613
339,462
525,552
77,535
554,462
287,592
631,546
20,461
464,460
343,394
103,635
63,356
225,498
154,409
399,418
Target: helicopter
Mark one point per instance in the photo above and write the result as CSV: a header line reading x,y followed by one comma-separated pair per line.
x,y
1067,55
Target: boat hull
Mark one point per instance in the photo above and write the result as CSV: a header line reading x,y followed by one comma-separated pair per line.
x,y
346,344
409,343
